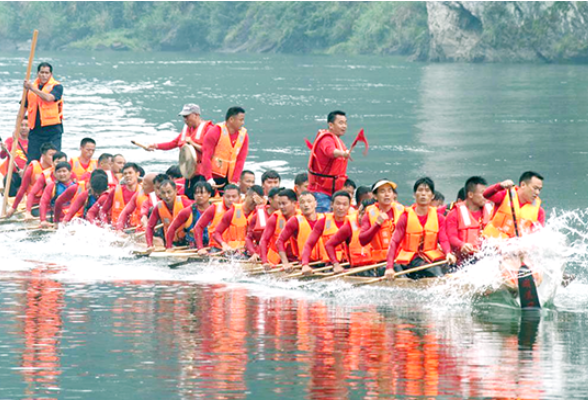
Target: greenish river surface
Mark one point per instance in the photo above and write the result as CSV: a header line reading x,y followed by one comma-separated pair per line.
x,y
81,318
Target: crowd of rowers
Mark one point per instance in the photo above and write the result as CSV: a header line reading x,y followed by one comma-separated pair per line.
x,y
271,224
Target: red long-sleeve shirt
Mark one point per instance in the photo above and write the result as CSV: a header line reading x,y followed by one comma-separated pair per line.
x,y
45,204
400,231
253,236
369,231
155,218
61,201
344,234
21,158
203,222
452,227
210,143
178,222
105,211
24,186
291,229
313,238
497,194
94,211
224,224
268,233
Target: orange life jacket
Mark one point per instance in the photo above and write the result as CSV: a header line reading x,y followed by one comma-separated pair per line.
x,y
20,156
224,158
420,240
235,234
381,241
219,211
167,218
135,218
118,203
502,226
51,112
357,254
328,232
273,255
333,176
304,230
261,220
469,229
37,171
79,170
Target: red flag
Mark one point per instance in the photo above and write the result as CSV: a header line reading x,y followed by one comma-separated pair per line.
x,y
360,138
308,144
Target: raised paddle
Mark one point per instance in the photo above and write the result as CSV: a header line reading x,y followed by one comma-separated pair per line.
x,y
140,145
19,119
527,289
400,273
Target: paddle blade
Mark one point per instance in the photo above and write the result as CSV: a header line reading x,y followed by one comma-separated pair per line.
x,y
308,143
361,138
528,290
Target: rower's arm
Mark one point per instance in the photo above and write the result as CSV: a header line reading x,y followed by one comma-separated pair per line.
x,y
77,205
24,185
312,240
177,223
202,223
342,235
63,198
290,229
153,220
222,226
397,238
268,233
46,201
128,209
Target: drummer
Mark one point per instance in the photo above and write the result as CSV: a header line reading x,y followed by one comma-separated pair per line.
x,y
193,133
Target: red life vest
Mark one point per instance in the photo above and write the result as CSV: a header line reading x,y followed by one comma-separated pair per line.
x,y
469,228
331,177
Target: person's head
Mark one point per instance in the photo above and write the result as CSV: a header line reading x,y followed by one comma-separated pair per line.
x,y
59,157
98,184
349,186
105,161
461,194
87,148
307,203
438,199
47,151
270,179
530,185
167,192
157,181
118,162
202,193
362,193
148,182
301,182
273,198
24,128
365,203
230,195
341,203
337,121
174,172
246,180
287,199
424,190
98,172
44,72
383,191
235,118
474,190
251,194
130,173
191,115
63,172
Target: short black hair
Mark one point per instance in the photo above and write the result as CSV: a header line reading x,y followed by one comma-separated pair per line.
x,y
350,182
256,189
427,181
174,172
230,186
360,192
45,147
301,178
99,182
368,202
245,172
131,165
472,182
527,176
160,178
63,164
289,193
438,196
333,115
306,192
58,155
98,172
461,194
168,182
341,193
103,157
274,191
44,64
203,186
231,112
87,140
271,174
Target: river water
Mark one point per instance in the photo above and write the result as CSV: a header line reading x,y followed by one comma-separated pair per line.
x,y
81,318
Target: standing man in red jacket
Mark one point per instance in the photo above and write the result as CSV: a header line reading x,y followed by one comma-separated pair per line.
x,y
327,166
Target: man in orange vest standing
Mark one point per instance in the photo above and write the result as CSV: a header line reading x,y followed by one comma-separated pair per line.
x,y
327,166
45,110
225,149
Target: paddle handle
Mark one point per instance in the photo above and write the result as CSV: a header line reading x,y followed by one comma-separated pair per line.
x,y
400,273
512,211
140,145
19,119
354,271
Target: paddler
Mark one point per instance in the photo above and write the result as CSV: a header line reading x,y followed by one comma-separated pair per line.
x,y
301,183
189,217
326,228
270,179
420,235
327,166
121,194
380,220
131,215
193,134
212,216
298,228
231,231
81,198
84,164
63,180
257,223
118,162
268,251
467,219
225,149
246,180
34,170
165,211
104,164
42,181
20,157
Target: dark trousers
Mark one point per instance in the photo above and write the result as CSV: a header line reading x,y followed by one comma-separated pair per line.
x,y
14,184
36,139
417,262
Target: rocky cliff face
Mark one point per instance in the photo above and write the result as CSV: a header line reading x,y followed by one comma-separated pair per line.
x,y
507,31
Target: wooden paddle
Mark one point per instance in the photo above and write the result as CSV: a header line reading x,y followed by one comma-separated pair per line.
x,y
400,273
527,289
141,234
353,271
301,275
19,119
140,145
279,268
